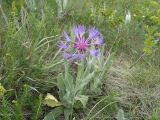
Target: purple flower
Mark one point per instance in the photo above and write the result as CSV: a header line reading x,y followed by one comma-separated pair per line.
x,y
99,40
81,46
66,37
81,56
74,56
93,33
94,52
63,45
67,55
79,30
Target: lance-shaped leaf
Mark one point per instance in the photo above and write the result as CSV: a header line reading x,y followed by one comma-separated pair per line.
x,y
83,99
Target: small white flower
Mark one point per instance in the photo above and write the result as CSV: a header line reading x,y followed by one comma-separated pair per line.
x,y
128,18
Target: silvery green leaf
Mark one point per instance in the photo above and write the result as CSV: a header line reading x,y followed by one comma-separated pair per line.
x,y
65,2
68,99
69,84
80,72
84,82
83,99
67,113
60,7
61,85
54,114
120,115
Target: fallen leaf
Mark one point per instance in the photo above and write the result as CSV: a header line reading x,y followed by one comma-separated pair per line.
x,y
51,101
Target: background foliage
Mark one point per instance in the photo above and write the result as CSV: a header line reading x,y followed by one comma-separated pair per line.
x,y
30,60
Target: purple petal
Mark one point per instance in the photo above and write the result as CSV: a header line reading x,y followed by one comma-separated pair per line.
x,y
94,53
62,45
66,37
79,30
75,31
75,56
93,33
82,56
99,41
67,55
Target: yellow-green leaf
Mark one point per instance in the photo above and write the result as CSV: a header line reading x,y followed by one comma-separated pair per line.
x,y
2,90
51,101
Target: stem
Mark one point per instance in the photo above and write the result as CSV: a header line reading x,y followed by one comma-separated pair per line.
x,y
4,16
95,106
141,56
101,110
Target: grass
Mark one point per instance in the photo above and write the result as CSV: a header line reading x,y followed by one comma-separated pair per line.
x,y
136,89
30,60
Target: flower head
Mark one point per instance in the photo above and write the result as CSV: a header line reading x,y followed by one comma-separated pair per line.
x,y
80,46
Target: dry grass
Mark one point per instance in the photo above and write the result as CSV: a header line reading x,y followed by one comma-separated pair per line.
x,y
137,88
